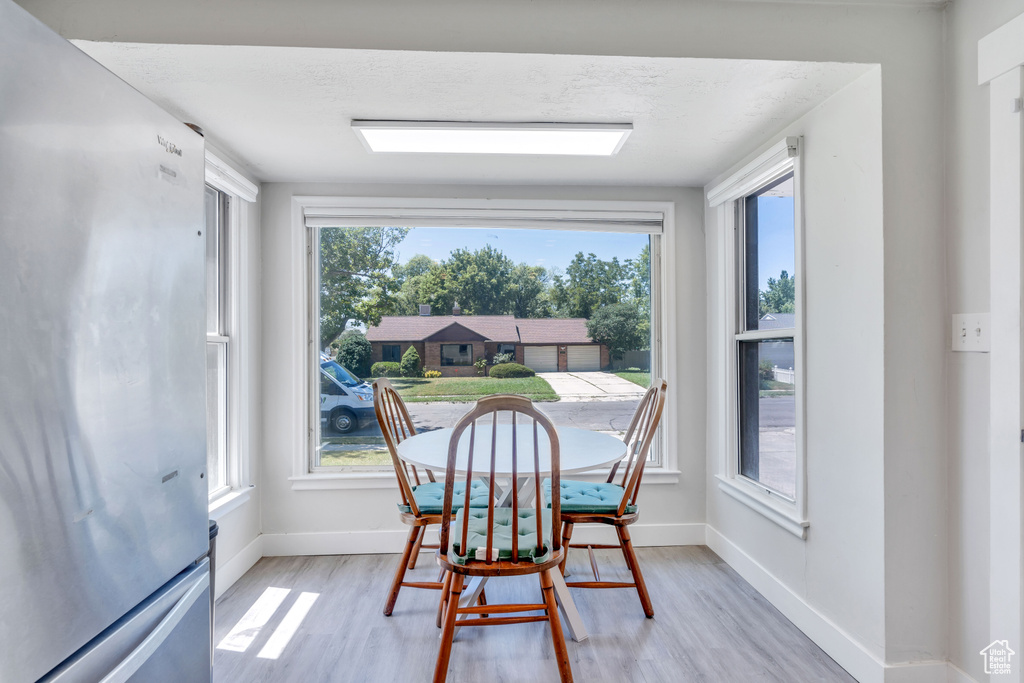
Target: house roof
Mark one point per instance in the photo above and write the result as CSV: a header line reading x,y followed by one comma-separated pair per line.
x,y
496,328
777,321
553,331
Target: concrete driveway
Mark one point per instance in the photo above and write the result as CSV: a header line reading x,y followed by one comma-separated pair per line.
x,y
591,386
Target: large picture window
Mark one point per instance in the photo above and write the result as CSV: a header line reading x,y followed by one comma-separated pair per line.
x,y
459,298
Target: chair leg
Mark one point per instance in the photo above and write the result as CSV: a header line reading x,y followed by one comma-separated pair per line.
x,y
445,654
444,598
557,637
416,549
566,537
396,585
634,566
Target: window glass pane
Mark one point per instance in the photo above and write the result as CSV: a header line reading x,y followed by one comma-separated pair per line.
x,y
391,353
459,296
456,354
216,415
767,397
770,257
213,261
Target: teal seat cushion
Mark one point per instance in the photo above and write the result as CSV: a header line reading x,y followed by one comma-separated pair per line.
x,y
477,535
583,496
430,497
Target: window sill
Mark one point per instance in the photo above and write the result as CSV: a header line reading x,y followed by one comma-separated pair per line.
x,y
228,502
386,480
760,501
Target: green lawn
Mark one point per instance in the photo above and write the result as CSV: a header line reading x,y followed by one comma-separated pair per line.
x,y
641,378
469,389
345,451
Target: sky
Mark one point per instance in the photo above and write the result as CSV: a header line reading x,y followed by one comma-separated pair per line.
x,y
775,241
545,248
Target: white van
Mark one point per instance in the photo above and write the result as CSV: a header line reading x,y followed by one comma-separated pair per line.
x,y
346,402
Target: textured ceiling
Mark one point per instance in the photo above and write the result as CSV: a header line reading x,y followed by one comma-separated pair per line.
x,y
285,112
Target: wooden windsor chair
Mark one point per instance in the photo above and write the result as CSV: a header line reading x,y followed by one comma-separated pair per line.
x,y
421,498
501,541
614,504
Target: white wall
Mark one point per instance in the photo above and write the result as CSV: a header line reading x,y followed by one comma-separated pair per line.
x,y
967,261
845,363
322,521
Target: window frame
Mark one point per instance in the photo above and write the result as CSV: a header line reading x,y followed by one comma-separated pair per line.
x,y
235,320
419,212
729,197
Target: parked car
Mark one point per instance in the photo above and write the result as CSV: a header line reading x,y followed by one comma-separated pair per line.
x,y
346,402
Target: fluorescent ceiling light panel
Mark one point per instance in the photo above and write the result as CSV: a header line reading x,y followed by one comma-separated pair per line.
x,y
441,137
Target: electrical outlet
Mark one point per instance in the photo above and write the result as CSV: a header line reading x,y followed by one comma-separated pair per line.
x,y
971,332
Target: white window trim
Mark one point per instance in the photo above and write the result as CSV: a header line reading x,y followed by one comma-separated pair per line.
x,y
400,210
778,160
221,176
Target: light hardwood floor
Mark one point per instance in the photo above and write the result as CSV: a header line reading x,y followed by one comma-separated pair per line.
x,y
709,625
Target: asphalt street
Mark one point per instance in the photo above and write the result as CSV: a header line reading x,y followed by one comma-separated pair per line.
x,y
598,416
604,416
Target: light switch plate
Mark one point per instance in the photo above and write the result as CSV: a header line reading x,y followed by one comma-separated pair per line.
x,y
971,332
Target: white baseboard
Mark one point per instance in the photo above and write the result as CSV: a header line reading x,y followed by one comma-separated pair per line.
x,y
917,672
232,569
858,660
957,675
392,541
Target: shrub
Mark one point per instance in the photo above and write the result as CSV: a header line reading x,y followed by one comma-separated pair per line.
x,y
500,358
633,370
354,353
765,374
410,366
386,369
506,370
481,365
432,374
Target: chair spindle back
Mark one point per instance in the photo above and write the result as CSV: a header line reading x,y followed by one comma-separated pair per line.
x,y
639,436
523,413
396,425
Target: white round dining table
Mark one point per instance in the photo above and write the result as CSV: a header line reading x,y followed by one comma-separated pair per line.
x,y
580,450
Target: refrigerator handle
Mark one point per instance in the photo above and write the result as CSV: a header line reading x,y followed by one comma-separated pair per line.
x,y
134,661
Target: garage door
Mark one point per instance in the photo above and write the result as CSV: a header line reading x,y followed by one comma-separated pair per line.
x,y
584,358
541,358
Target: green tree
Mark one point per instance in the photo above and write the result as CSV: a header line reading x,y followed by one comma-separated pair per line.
x,y
354,354
527,292
588,284
355,277
411,277
411,363
479,281
638,288
780,297
617,326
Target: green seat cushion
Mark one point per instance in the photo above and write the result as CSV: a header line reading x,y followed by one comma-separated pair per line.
x,y
477,535
430,497
583,496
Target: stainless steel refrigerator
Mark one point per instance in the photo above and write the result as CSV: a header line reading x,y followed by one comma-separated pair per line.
x,y
103,496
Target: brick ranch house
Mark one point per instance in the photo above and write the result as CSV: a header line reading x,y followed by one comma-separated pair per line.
x,y
452,343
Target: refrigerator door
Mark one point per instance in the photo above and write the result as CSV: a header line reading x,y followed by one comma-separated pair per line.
x,y
166,639
102,348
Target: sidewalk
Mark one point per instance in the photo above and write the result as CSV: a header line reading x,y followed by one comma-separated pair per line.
x,y
591,386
